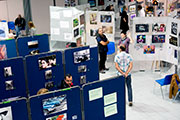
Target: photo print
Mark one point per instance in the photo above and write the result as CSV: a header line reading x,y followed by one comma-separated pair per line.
x,y
75,22
158,38
81,56
48,74
175,53
174,28
107,29
106,18
54,105
92,3
2,32
82,19
100,2
83,79
6,113
82,68
93,18
93,32
34,52
7,72
9,85
3,52
142,28
49,85
141,38
33,44
149,49
132,8
70,3
82,30
47,62
158,27
173,40
58,117
76,32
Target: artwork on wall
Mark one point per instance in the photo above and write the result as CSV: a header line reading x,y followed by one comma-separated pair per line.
x,y
93,18
76,32
9,85
47,62
48,74
149,49
175,53
93,32
7,72
141,38
100,2
107,29
3,52
6,113
132,8
106,18
82,19
54,104
174,28
173,40
81,56
158,38
82,30
2,32
142,28
132,15
58,117
158,27
92,3
75,22
69,3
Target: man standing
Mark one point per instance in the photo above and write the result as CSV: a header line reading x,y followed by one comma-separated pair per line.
x,y
20,24
103,49
67,82
123,64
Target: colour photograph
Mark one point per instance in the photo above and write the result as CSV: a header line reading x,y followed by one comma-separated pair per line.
x,y
75,22
141,38
33,44
81,56
93,18
173,40
107,29
58,117
149,49
9,85
2,32
106,18
158,38
34,52
47,62
3,52
142,28
82,19
158,27
93,32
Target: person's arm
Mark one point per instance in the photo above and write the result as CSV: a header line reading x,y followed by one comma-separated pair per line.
x,y
124,19
129,69
104,43
118,68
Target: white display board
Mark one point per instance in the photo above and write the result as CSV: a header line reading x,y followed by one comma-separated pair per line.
x,y
67,24
3,30
155,38
99,19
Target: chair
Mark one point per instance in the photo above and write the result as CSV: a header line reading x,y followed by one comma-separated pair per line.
x,y
11,25
163,82
111,48
177,92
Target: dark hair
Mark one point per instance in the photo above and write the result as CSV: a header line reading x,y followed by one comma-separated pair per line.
x,y
123,48
124,8
67,75
124,32
139,7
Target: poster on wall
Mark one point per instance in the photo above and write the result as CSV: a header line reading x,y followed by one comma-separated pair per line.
x,y
3,30
107,29
106,18
173,40
6,113
68,3
92,3
58,117
158,38
157,27
149,49
3,52
47,62
132,8
142,28
100,2
174,28
141,38
93,18
82,19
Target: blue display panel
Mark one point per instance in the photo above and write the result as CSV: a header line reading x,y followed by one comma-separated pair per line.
x,y
14,110
12,83
44,71
33,45
109,96
59,104
82,64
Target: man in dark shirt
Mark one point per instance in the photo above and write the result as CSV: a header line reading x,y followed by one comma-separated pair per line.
x,y
103,49
67,82
20,24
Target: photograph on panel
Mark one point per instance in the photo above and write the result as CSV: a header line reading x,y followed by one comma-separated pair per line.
x,y
54,104
157,27
83,79
49,85
82,19
174,28
3,52
93,32
82,68
33,44
149,49
58,117
47,62
93,18
2,32
9,85
141,38
69,3
158,38
76,32
6,113
142,28
7,72
81,56
48,74
173,40
34,52
75,22
106,18
107,29
82,29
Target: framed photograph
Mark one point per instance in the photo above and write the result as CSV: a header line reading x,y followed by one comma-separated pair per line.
x,y
81,56
149,49
6,113
82,19
93,32
33,44
93,18
173,40
76,32
141,38
34,52
75,22
48,74
49,85
92,3
3,52
47,62
82,30
158,27
106,18
158,38
107,29
54,104
2,32
58,117
174,28
83,79
7,72
9,85
82,68
142,28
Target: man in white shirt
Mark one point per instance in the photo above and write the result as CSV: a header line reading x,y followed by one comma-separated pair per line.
x,y
141,12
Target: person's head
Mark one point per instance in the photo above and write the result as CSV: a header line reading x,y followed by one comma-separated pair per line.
x,y
78,42
100,31
19,16
124,8
42,91
31,24
111,8
123,34
122,48
139,7
68,79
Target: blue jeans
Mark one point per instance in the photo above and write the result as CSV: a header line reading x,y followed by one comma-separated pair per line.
x,y
128,83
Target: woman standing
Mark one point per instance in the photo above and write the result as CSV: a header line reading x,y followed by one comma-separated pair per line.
x,y
32,28
124,20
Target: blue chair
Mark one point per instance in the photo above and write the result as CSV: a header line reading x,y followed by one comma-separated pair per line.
x,y
3,21
163,82
11,25
111,48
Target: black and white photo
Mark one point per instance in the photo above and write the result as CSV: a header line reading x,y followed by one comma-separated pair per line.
x,y
174,28
83,79
81,56
49,85
9,85
7,72
48,74
82,68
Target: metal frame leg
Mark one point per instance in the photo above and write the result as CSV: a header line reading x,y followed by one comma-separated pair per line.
x,y
162,92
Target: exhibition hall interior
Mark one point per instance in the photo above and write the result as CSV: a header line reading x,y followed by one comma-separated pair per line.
x,y
89,59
